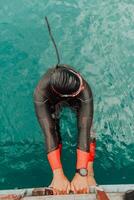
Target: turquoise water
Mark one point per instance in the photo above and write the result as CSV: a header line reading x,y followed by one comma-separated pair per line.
x,y
97,38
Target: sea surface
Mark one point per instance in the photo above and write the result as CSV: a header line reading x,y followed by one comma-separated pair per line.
x,y
96,37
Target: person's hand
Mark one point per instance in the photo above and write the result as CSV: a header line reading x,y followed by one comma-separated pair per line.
x,y
60,183
79,184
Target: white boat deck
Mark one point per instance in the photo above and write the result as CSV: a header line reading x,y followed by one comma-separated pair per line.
x,y
112,196
114,192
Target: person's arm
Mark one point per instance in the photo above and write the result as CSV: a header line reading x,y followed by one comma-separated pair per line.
x,y
85,117
87,140
43,112
80,182
43,107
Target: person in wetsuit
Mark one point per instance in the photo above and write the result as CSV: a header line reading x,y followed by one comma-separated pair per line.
x,y
63,86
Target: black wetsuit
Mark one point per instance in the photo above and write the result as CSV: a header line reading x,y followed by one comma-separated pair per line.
x,y
47,105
